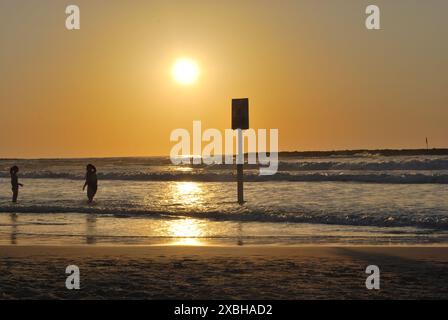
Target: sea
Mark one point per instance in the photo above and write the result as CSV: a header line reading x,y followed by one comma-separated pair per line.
x,y
358,197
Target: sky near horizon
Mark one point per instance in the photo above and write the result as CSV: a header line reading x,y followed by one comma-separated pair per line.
x,y
310,68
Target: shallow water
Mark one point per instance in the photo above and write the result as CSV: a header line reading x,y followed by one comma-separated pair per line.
x,y
52,208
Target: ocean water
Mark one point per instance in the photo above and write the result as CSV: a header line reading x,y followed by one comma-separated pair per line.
x,y
366,198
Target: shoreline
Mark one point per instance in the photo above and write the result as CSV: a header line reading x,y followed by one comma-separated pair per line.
x,y
223,245
412,251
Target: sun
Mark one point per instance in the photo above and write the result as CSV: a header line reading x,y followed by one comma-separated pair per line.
x,y
185,71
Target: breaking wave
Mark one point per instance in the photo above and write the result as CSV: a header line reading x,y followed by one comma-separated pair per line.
x,y
377,219
333,167
252,176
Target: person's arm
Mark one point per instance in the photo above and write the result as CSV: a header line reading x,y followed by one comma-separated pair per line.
x,y
21,185
84,187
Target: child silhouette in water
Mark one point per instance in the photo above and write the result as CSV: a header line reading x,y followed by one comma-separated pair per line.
x,y
15,183
91,182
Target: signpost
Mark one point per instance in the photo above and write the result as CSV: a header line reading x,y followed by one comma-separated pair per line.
x,y
240,122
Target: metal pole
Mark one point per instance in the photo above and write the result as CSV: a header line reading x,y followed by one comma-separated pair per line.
x,y
239,166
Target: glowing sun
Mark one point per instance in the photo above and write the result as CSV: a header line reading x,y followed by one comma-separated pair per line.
x,y
185,71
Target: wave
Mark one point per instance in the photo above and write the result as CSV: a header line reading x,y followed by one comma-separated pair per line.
x,y
372,177
367,153
414,165
379,219
427,169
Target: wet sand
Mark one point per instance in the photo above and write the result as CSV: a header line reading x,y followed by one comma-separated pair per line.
x,y
208,272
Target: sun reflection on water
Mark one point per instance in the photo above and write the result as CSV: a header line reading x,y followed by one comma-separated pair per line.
x,y
187,193
183,197
186,232
188,187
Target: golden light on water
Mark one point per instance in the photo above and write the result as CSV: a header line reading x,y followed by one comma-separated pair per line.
x,y
188,188
187,193
186,231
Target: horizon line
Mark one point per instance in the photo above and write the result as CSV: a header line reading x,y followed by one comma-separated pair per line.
x,y
433,151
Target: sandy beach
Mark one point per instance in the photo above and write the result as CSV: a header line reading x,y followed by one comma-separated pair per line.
x,y
209,272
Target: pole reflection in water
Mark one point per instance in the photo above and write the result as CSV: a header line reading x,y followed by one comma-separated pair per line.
x,y
240,234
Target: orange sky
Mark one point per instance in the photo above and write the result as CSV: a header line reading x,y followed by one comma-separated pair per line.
x,y
310,69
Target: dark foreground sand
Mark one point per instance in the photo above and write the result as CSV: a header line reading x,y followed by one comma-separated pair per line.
x,y
179,272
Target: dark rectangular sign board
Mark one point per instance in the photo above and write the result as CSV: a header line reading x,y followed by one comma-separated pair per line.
x,y
240,114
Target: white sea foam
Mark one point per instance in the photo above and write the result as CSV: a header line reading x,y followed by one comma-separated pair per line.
x,y
358,168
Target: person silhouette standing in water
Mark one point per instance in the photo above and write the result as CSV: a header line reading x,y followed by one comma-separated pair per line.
x,y
15,183
91,182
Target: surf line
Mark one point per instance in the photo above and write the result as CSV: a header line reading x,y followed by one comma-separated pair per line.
x,y
185,152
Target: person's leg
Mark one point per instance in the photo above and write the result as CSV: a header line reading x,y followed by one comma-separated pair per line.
x,y
15,194
94,192
89,194
91,191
